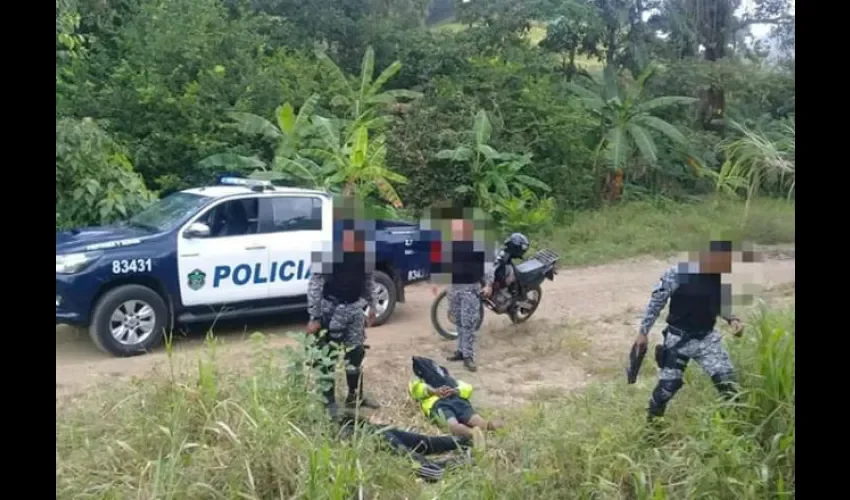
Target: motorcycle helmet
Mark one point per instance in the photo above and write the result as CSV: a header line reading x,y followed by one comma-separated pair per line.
x,y
516,245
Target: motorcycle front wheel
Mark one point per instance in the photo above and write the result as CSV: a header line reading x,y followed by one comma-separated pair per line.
x,y
441,320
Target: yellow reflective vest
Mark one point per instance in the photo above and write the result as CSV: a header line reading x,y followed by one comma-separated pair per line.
x,y
419,392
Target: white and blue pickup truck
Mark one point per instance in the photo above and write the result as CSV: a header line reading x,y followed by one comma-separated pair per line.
x,y
235,249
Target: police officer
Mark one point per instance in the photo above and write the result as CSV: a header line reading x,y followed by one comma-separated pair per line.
x,y
471,279
335,303
696,298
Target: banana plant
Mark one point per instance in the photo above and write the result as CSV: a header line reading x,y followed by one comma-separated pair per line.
x,y
495,176
354,163
291,133
362,101
627,118
525,213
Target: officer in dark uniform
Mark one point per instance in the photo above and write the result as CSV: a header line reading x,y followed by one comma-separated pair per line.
x,y
471,272
696,297
336,296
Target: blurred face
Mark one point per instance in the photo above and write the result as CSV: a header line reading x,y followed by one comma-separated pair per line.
x,y
461,230
352,242
716,262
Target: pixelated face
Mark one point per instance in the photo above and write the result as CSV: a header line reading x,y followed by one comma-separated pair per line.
x,y
352,241
462,230
716,262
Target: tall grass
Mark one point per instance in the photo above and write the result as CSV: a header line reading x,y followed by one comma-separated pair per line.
x,y
263,436
661,227
756,161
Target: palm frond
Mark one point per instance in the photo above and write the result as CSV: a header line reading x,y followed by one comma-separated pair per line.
x,y
231,160
661,126
644,142
616,148
252,124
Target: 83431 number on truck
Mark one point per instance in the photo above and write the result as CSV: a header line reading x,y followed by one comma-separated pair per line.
x,y
236,249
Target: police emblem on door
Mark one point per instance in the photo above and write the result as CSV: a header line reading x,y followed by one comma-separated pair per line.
x,y
197,279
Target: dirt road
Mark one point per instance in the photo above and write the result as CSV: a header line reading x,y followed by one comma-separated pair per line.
x,y
583,327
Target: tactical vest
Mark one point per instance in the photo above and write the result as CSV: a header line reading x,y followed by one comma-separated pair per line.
x,y
345,283
695,304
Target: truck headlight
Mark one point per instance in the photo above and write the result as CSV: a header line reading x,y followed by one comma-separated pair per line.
x,y
75,262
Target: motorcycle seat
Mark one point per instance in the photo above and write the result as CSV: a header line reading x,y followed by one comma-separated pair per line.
x,y
530,266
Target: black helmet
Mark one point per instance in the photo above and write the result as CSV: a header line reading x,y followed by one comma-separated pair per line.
x,y
516,245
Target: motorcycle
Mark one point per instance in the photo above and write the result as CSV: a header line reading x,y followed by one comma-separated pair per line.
x,y
516,290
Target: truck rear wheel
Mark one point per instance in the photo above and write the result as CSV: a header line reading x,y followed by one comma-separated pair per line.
x,y
129,320
386,295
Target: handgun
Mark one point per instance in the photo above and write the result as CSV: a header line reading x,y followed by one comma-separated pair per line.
x,y
635,361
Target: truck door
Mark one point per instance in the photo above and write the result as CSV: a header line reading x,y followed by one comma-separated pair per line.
x,y
294,226
231,264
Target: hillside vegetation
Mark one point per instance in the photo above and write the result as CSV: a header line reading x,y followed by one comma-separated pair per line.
x,y
532,121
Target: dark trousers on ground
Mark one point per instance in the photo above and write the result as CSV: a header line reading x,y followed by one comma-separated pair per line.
x,y
418,446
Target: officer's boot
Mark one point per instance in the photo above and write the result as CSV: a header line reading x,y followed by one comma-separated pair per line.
x,y
726,385
455,356
354,378
330,399
663,393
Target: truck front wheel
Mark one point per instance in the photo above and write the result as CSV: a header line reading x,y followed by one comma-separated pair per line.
x,y
385,295
129,320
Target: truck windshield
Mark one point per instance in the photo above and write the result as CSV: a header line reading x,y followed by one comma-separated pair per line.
x,y
166,213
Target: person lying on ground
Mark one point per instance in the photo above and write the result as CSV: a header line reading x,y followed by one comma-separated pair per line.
x,y
450,407
416,446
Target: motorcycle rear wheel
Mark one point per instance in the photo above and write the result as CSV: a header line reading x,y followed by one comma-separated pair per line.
x,y
521,315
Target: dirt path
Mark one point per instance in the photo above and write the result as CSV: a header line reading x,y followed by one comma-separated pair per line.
x,y
583,327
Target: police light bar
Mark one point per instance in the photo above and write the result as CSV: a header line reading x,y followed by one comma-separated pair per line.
x,y
239,181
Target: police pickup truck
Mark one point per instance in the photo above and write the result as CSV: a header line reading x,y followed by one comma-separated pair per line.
x,y
235,249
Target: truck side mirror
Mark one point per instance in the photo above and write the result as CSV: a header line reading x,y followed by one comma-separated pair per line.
x,y
197,230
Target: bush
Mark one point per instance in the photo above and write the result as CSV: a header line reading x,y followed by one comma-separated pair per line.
x,y
95,181
260,435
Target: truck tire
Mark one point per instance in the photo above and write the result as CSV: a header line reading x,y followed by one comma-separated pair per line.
x,y
129,320
386,295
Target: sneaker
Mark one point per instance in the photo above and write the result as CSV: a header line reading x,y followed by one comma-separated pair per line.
x,y
470,365
365,402
455,356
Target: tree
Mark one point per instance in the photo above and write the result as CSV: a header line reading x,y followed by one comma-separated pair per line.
x,y
573,30
713,26
495,176
361,104
627,121
291,133
355,163
95,181
496,25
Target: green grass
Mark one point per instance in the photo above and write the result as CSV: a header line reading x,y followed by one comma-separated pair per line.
x,y
662,228
261,436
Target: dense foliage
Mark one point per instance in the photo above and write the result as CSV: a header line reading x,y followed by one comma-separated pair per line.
x,y
373,97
